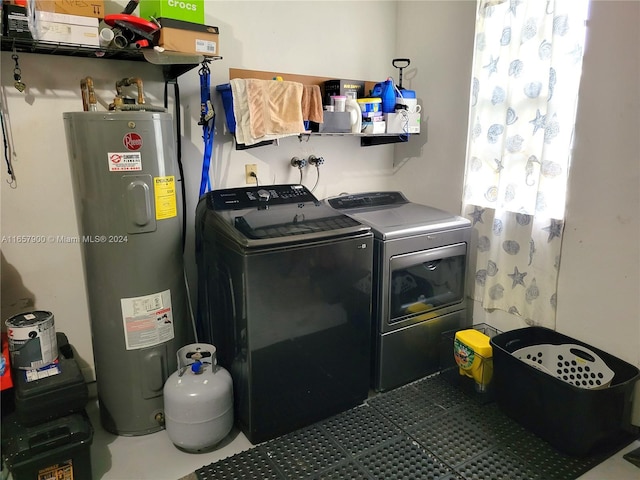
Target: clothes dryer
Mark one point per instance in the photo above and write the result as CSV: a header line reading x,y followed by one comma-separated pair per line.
x,y
419,291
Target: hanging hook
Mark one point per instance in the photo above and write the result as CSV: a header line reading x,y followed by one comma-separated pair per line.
x,y
204,69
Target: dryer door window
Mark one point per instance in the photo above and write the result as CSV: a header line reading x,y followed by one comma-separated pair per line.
x,y
426,281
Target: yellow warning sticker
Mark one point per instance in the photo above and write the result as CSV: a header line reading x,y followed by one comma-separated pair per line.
x,y
59,471
164,189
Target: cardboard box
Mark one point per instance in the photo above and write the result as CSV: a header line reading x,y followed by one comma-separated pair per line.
x,y
402,122
189,38
186,10
63,28
83,8
373,128
341,87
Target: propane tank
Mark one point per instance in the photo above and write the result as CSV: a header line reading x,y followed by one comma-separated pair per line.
x,y
198,400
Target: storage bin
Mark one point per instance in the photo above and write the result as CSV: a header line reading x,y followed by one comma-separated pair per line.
x,y
56,449
50,397
335,122
574,420
227,103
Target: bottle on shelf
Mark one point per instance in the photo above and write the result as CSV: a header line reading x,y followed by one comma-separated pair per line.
x,y
353,108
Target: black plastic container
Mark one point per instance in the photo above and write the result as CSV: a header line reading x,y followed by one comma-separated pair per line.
x,y
574,420
56,449
51,397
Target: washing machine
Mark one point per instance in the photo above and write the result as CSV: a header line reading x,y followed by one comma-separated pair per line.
x,y
419,292
284,293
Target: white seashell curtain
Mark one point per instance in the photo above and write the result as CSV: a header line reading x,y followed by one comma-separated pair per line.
x,y
526,75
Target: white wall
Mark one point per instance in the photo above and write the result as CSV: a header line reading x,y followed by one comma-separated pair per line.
x,y
599,284
438,38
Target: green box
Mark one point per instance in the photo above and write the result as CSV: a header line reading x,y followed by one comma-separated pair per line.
x,y
187,10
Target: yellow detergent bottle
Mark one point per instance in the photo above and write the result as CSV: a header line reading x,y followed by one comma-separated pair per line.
x,y
474,356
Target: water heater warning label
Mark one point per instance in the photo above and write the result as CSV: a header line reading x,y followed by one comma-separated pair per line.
x,y
148,320
164,189
124,162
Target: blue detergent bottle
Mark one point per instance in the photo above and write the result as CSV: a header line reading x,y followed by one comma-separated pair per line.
x,y
387,92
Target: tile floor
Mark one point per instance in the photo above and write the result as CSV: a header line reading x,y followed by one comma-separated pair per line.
x,y
154,456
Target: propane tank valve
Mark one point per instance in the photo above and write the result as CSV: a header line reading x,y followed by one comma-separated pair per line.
x,y
196,367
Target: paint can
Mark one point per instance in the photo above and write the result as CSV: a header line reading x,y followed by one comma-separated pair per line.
x,y
32,340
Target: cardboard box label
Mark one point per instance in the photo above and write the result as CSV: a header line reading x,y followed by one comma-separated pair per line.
x,y
206,47
187,10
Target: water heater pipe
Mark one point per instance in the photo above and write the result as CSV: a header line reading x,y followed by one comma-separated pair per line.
x,y
88,95
127,82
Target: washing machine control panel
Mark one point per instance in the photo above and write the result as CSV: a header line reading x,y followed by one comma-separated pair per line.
x,y
257,197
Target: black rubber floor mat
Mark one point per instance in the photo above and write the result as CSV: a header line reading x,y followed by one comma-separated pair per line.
x,y
406,406
451,438
498,464
403,459
429,429
305,452
250,464
345,471
360,429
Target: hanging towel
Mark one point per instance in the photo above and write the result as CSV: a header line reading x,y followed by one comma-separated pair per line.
x,y
312,103
240,108
243,118
275,107
242,115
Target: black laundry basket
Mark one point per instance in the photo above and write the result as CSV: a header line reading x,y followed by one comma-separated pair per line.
x,y
574,420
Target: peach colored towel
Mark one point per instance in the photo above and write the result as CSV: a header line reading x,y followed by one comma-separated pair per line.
x,y
275,107
312,103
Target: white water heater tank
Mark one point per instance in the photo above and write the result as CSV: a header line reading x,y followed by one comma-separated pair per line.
x,y
198,400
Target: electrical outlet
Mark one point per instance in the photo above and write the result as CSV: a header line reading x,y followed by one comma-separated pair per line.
x,y
250,168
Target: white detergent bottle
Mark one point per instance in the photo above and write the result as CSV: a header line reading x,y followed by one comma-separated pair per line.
x,y
354,110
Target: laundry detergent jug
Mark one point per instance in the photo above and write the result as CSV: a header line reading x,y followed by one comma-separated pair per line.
x,y
387,92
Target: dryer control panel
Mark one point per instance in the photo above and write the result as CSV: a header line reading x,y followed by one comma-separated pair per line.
x,y
256,197
372,199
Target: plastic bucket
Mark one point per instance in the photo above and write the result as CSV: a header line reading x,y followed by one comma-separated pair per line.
x,y
370,104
